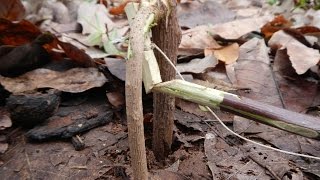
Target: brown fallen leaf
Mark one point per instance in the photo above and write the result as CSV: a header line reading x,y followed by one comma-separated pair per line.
x,y
301,56
228,54
12,10
17,33
77,55
278,23
298,93
236,29
78,40
117,67
161,174
252,71
298,36
187,122
309,30
118,10
195,13
198,65
198,37
116,99
201,36
15,61
74,80
229,161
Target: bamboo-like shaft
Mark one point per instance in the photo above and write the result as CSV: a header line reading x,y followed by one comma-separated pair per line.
x,y
293,122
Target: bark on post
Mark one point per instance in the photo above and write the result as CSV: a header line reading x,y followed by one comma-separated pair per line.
x,y
166,35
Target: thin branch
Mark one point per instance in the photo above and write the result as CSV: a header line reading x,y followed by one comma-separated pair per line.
x,y
168,60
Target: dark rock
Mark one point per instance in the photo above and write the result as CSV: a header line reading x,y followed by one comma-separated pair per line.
x,y
29,110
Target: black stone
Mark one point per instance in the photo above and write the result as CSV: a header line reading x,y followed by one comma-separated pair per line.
x,y
29,110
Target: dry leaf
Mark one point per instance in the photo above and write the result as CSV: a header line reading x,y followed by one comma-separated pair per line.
x,y
225,161
312,17
201,36
117,67
198,65
198,37
228,54
94,17
12,10
298,94
278,23
116,99
118,10
17,33
252,70
21,59
199,13
301,56
76,54
74,80
236,29
309,30
78,40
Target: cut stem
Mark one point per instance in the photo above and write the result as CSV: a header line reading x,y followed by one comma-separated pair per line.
x,y
293,122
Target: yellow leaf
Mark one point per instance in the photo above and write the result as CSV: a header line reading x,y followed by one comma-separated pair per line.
x,y
228,54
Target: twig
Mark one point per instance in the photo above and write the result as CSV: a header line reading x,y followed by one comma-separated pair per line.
x,y
28,162
238,170
79,167
27,159
168,60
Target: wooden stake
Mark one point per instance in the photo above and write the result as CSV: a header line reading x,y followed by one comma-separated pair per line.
x,y
133,86
166,35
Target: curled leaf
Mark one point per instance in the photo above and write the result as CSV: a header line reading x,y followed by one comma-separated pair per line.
x,y
228,54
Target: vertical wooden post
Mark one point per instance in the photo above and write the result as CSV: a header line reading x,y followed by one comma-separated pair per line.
x,y
166,35
133,86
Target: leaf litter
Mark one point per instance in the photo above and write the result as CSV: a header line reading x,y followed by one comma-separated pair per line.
x,y
279,73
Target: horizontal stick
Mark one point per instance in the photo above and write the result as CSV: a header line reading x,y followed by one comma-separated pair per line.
x,y
293,122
